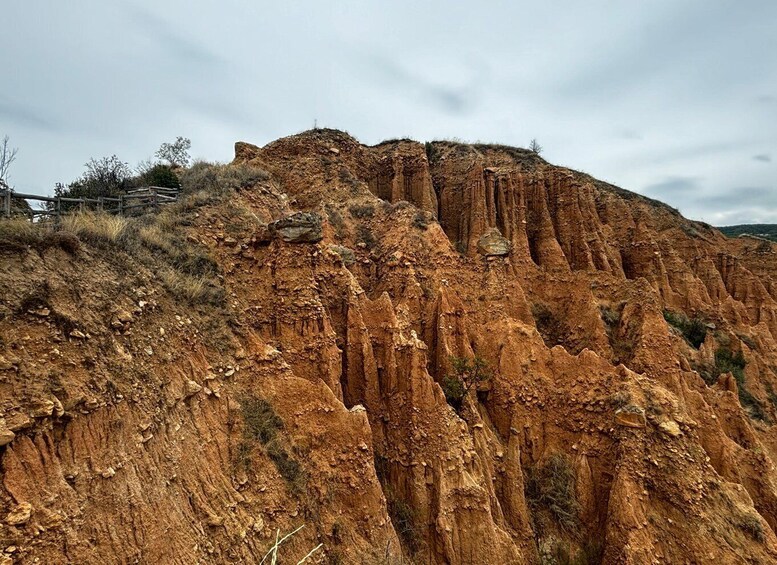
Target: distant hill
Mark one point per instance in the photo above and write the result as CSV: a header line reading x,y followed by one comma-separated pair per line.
x,y
767,231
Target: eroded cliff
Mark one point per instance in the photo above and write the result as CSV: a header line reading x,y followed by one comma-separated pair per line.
x,y
627,418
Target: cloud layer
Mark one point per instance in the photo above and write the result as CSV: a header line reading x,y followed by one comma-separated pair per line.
x,y
676,99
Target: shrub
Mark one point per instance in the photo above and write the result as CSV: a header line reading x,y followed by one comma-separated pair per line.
x,y
466,374
287,466
336,221
420,221
751,525
726,361
693,330
238,177
551,327
108,176
347,178
66,241
260,420
550,488
405,521
362,211
556,552
432,152
364,235
620,399
610,317
748,341
160,175
262,424
201,176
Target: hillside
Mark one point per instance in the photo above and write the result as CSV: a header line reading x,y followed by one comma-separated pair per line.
x,y
423,353
766,231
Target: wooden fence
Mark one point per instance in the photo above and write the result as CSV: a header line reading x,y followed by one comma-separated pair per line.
x,y
144,197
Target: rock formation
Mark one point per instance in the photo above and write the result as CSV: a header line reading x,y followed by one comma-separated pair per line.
x,y
626,415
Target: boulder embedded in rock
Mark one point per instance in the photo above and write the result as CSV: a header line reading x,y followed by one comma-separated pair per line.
x,y
630,416
302,227
191,388
20,515
670,428
6,435
491,243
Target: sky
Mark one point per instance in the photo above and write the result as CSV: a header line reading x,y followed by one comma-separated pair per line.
x,y
674,99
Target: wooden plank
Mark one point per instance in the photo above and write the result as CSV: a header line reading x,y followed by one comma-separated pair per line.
x,y
21,196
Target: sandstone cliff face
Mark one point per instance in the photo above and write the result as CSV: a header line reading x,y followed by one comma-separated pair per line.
x,y
607,431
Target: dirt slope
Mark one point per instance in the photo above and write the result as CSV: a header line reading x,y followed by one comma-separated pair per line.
x,y
628,417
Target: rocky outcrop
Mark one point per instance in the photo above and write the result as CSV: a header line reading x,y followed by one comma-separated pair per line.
x,y
491,243
301,227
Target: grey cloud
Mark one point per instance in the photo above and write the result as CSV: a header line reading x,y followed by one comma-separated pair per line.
x,y
673,187
740,197
26,117
672,99
449,99
629,134
183,49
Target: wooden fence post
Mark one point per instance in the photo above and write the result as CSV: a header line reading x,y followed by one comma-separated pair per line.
x,y
121,204
7,203
59,207
99,203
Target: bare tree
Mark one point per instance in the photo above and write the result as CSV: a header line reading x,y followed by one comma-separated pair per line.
x,y
7,157
176,153
535,147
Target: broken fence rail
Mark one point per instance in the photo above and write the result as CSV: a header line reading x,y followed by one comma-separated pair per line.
x,y
147,196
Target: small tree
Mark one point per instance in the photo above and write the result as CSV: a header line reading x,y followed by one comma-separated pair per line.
x,y
176,153
535,147
7,157
466,374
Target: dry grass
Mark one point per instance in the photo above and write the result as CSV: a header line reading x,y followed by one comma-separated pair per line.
x,y
153,236
96,227
19,235
192,288
216,179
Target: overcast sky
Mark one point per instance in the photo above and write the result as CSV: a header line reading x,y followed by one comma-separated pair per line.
x,y
675,99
